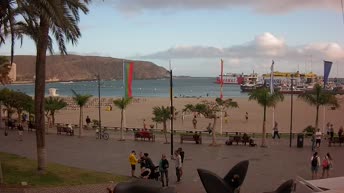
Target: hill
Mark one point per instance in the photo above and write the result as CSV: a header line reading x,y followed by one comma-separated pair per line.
x,y
75,67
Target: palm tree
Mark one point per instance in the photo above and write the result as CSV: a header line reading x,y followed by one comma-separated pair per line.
x,y
81,101
209,110
60,19
265,99
317,97
162,115
8,14
122,104
53,104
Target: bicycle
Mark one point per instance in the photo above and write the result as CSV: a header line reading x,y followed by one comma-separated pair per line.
x,y
102,135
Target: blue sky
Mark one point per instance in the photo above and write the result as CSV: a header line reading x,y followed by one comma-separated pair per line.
x,y
196,34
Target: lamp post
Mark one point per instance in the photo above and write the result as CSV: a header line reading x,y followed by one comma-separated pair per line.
x,y
291,110
172,109
99,113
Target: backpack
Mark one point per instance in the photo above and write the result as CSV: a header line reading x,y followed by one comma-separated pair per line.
x,y
315,161
325,163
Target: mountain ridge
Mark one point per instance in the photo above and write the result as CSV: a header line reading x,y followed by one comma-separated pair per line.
x,y
79,68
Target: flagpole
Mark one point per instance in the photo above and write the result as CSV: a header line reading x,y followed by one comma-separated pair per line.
x,y
221,96
272,91
171,106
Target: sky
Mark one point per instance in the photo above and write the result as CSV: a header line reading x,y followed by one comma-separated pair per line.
x,y
193,35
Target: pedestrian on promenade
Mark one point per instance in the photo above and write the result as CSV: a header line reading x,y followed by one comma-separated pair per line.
x,y
194,122
133,161
182,155
178,164
315,163
20,131
144,124
331,132
313,141
328,128
340,131
318,136
246,116
326,165
276,131
163,168
88,121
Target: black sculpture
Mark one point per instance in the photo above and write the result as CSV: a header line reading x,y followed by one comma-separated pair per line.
x,y
212,183
233,180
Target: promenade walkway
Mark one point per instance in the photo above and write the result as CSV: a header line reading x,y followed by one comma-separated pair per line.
x,y
268,168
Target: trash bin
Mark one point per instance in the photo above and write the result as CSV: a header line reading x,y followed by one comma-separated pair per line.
x,y
300,138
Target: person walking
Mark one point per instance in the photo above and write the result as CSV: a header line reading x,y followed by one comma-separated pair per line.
x,y
88,121
318,136
340,131
20,131
182,155
194,122
276,131
326,165
178,164
163,168
315,163
246,116
133,161
331,132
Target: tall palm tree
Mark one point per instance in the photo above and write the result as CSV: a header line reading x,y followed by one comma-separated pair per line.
x,y
81,101
122,104
162,115
8,12
60,19
317,97
209,110
53,104
265,99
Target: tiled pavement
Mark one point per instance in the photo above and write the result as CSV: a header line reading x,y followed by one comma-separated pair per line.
x,y
268,168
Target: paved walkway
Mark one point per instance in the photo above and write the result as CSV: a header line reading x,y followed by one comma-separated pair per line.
x,y
268,168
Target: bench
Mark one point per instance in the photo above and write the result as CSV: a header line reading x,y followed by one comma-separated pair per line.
x,y
240,139
62,129
143,135
187,137
335,140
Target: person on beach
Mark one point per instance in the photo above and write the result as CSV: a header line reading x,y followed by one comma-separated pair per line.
x,y
163,169
88,121
20,131
133,161
326,165
315,163
144,124
194,122
178,164
246,116
318,136
276,131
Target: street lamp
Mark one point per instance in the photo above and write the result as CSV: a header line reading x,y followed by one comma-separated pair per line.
x,y
99,114
291,110
172,109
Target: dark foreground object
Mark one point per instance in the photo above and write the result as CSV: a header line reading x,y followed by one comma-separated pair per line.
x,y
212,183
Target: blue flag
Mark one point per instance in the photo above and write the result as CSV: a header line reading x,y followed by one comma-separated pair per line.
x,y
327,70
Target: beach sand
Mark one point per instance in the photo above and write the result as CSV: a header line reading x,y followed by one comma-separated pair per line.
x,y
141,109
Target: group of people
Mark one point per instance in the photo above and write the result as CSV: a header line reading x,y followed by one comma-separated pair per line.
x,y
326,164
150,171
330,130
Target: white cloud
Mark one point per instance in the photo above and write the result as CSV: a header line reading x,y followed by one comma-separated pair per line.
x,y
264,6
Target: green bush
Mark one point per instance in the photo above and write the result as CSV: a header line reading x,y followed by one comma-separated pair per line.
x,y
309,129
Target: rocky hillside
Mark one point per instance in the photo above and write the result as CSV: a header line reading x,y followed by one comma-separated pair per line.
x,y
74,67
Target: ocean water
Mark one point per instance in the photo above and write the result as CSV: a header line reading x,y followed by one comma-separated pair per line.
x,y
183,87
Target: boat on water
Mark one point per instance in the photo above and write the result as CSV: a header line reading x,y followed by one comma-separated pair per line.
x,y
250,86
234,78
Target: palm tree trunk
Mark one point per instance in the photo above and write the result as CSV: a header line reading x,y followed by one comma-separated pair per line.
x,y
53,118
317,118
165,131
264,129
214,133
39,93
122,113
80,121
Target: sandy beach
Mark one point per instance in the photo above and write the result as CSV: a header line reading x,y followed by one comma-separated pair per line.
x,y
141,109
